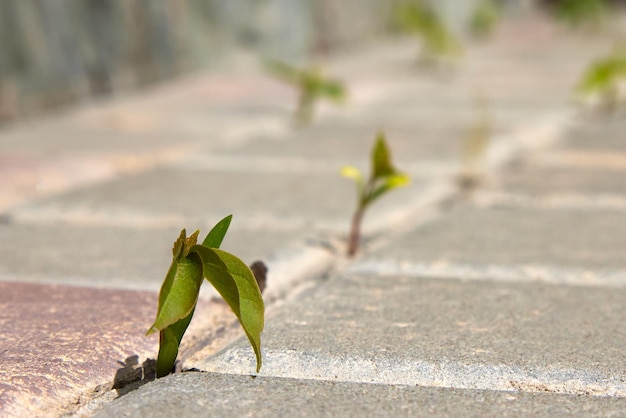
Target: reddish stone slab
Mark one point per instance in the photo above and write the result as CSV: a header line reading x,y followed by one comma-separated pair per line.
x,y
57,342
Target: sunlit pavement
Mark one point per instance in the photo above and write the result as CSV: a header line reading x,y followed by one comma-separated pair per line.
x,y
505,300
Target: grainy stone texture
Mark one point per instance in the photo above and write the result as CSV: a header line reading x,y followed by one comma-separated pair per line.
x,y
60,341
448,333
211,395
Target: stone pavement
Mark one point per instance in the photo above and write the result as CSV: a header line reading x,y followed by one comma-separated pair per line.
x,y
505,301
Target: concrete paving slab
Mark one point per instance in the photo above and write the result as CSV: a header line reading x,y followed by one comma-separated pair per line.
x,y
170,196
604,133
116,257
514,243
220,395
445,333
570,175
59,343
350,143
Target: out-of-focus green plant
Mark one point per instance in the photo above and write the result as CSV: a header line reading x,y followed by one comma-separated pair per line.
x,y
578,13
383,178
414,16
484,18
179,293
604,79
474,148
312,85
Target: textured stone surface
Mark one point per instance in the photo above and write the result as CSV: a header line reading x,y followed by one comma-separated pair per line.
x,y
447,333
58,342
217,395
515,237
114,257
177,196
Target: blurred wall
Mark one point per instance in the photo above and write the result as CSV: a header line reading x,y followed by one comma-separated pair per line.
x,y
55,52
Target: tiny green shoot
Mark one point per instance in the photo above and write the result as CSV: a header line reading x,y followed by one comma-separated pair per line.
x,y
484,18
603,80
580,13
437,39
191,264
312,85
383,178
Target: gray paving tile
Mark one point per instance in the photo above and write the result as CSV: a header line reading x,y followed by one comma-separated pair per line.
x,y
190,197
111,256
603,134
217,395
581,240
446,333
545,180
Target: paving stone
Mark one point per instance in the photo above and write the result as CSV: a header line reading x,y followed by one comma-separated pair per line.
x,y
115,257
536,244
218,395
445,333
578,179
190,197
605,134
58,343
338,143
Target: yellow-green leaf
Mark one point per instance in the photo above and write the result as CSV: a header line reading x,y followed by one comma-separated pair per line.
x,y
233,279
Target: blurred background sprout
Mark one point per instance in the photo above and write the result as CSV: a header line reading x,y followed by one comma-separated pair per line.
x,y
604,81
484,18
312,86
582,13
437,40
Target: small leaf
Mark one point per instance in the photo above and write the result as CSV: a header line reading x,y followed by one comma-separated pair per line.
x,y
332,89
179,292
215,237
389,183
381,158
233,279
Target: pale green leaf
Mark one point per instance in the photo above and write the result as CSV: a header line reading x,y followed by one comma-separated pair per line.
x,y
233,279
179,292
381,158
215,237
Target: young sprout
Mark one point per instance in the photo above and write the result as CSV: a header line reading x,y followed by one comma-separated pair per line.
x,y
484,18
603,80
179,293
437,40
383,178
577,13
312,84
474,149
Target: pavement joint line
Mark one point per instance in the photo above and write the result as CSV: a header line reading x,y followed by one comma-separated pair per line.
x,y
444,373
556,201
520,273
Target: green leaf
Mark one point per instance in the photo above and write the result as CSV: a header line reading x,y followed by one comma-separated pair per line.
x,y
215,237
388,183
332,89
232,278
179,292
381,158
283,71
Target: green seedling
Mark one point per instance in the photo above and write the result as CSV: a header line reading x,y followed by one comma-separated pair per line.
x,y
484,18
437,40
312,85
191,264
603,80
474,150
578,13
383,178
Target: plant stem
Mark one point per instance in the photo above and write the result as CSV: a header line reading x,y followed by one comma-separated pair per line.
x,y
355,232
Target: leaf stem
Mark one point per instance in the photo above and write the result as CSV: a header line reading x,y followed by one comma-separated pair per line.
x,y
355,231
